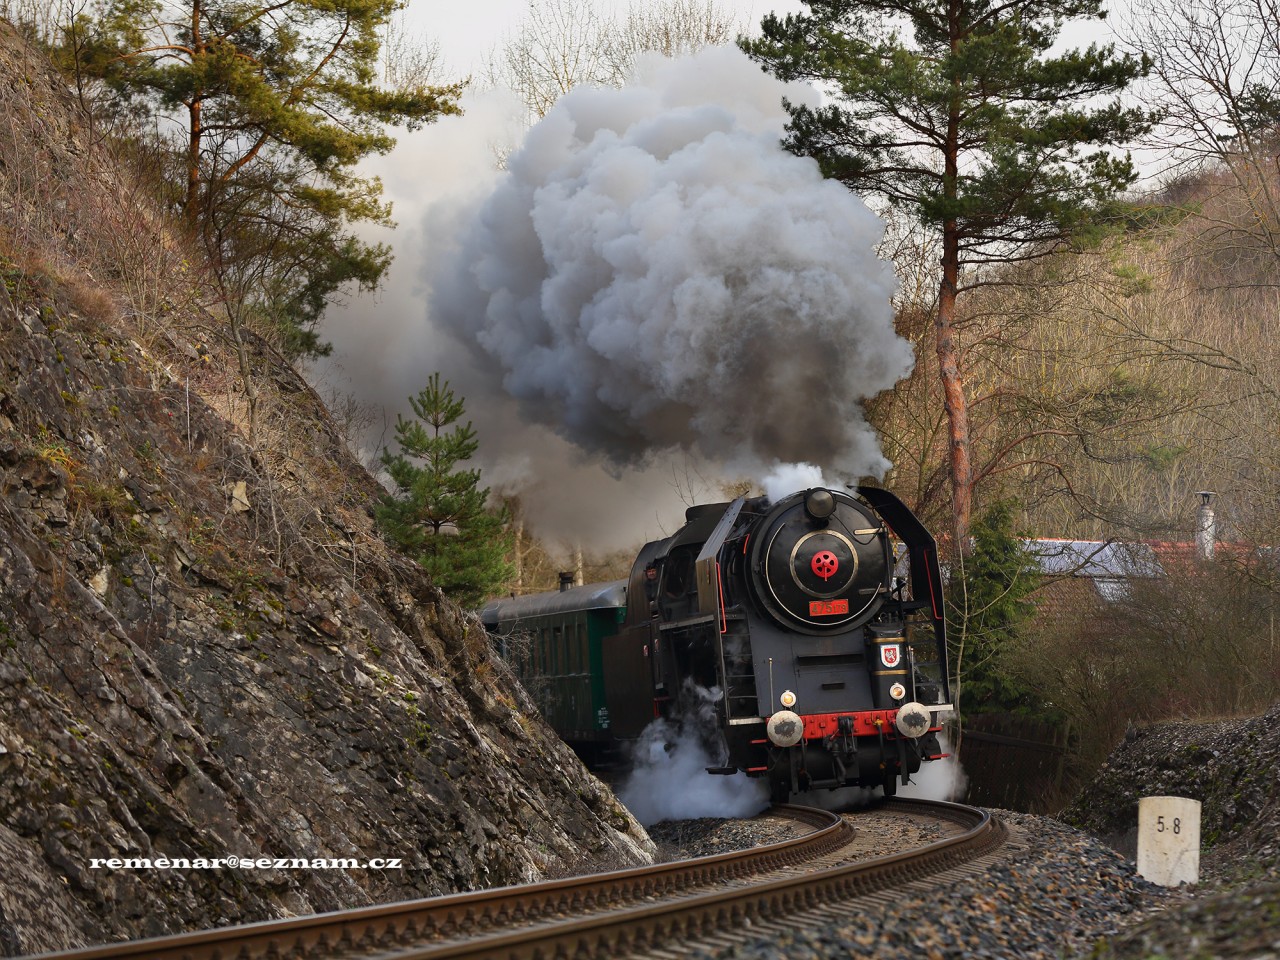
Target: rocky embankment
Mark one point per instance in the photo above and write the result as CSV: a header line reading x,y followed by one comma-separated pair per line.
x,y
205,649
1233,768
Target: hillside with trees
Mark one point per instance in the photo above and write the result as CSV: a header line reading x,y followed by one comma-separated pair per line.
x,y
188,534
1108,384
206,649
260,113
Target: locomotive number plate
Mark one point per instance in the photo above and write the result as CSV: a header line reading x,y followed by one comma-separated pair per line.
x,y
827,608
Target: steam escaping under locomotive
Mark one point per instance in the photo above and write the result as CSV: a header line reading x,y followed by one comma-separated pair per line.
x,y
815,622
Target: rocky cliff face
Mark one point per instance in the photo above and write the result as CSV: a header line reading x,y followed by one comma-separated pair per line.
x,y
205,650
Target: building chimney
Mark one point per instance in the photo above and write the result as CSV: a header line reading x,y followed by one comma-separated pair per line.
x,y
566,580
1206,527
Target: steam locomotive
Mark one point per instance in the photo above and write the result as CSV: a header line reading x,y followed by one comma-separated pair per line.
x,y
814,622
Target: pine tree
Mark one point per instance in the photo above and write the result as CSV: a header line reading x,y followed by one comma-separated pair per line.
x,y
955,112
988,606
271,105
438,513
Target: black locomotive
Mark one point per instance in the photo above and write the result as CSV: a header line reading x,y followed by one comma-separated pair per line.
x,y
815,620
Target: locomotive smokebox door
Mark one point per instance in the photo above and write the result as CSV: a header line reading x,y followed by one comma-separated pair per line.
x,y
820,562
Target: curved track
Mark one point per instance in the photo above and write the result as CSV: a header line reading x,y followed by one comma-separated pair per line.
x,y
601,915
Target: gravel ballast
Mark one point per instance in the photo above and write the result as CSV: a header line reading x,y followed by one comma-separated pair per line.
x,y
1072,891
1059,892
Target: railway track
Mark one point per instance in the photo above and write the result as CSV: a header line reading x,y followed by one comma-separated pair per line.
x,y
646,910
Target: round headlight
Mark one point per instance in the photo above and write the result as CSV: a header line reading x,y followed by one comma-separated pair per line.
x,y
788,699
913,720
819,504
785,728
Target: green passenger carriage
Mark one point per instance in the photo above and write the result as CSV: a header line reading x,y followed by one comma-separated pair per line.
x,y
555,643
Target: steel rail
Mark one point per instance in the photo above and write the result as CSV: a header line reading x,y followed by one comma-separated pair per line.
x,y
389,927
637,929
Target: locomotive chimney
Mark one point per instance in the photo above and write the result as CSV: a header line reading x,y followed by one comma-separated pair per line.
x,y
1206,527
566,580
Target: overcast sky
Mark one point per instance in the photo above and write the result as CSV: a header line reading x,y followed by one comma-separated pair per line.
x,y
467,32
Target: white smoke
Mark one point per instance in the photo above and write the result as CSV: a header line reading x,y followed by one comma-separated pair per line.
x,y
654,272
786,478
941,779
669,779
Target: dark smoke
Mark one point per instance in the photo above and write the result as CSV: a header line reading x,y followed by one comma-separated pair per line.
x,y
654,272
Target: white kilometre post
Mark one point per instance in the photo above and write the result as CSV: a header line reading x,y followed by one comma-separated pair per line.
x,y
1169,840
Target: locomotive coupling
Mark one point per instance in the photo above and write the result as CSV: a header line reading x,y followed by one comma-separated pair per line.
x,y
913,720
785,728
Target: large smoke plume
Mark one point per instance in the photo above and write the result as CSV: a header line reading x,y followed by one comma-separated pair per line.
x,y
654,271
651,271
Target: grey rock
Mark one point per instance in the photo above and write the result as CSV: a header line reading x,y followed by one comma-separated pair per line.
x,y
217,695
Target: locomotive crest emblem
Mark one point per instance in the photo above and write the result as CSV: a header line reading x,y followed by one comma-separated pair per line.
x,y
890,654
